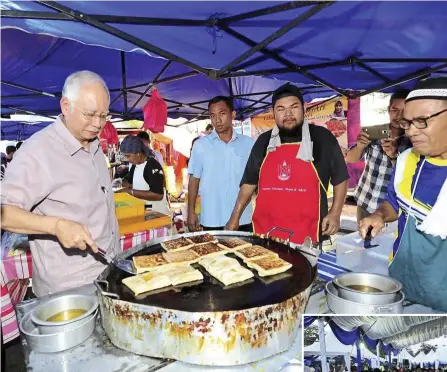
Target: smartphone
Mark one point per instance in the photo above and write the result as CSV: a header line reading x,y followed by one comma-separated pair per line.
x,y
377,132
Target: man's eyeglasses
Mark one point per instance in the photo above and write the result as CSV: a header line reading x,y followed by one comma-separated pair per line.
x,y
419,123
90,116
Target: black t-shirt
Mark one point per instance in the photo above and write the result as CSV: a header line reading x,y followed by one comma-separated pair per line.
x,y
153,175
328,160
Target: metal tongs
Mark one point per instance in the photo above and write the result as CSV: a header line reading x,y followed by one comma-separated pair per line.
x,y
125,265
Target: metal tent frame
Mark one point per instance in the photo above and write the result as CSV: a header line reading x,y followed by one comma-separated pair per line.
x,y
231,70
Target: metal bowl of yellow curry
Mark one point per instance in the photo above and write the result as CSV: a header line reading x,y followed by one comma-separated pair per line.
x,y
63,313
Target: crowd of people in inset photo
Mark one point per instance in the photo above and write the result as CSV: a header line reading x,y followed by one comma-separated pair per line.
x,y
342,368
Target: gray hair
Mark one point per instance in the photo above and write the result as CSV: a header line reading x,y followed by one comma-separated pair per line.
x,y
74,82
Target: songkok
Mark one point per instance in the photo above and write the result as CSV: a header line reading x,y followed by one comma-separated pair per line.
x,y
431,88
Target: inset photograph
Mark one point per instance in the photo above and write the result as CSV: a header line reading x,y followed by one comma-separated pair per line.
x,y
375,343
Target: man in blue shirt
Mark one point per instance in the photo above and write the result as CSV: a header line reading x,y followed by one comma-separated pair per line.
x,y
216,166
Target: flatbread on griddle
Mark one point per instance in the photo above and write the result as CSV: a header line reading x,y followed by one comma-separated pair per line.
x,y
179,244
269,265
218,263
208,250
254,252
183,274
151,281
146,282
233,244
149,263
233,275
181,257
201,239
225,269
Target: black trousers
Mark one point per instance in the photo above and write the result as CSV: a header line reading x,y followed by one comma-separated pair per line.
x,y
245,228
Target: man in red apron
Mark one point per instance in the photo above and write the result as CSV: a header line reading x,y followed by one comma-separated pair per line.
x,y
291,167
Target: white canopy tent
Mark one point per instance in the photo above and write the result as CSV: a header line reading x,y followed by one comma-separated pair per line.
x,y
404,354
329,346
425,358
441,354
335,348
400,331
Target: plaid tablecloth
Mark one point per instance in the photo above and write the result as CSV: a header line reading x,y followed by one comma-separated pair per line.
x,y
15,273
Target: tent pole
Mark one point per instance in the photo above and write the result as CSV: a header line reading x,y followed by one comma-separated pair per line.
x,y
270,10
194,119
271,71
248,108
283,60
18,86
378,354
402,60
24,14
404,79
230,86
322,338
178,77
359,356
85,18
283,70
251,100
372,71
22,96
116,99
259,108
167,100
276,35
29,112
160,81
234,96
123,78
151,84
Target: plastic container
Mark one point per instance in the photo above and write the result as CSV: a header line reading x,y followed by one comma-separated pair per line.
x,y
372,260
151,220
127,206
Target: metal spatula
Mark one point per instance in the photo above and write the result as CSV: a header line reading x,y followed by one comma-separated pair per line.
x,y
366,243
125,265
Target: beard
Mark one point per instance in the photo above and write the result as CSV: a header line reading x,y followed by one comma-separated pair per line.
x,y
291,131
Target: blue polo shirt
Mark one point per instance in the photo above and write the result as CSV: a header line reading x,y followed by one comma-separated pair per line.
x,y
220,167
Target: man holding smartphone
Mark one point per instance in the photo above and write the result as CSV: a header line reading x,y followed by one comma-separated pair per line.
x,y
380,157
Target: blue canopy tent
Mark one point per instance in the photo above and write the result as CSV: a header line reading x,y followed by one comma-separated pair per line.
x,y
350,48
34,68
19,130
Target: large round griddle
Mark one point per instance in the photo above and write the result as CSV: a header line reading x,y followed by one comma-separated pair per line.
x,y
210,294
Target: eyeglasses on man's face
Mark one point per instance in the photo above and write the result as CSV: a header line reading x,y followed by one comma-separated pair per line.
x,y
419,123
89,116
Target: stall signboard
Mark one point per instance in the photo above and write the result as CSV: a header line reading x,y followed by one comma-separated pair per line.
x,y
331,113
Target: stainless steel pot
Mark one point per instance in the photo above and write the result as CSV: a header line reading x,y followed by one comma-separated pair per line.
x,y
387,286
52,343
62,303
339,305
208,324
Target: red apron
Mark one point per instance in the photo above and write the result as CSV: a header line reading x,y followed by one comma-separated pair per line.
x,y
288,195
